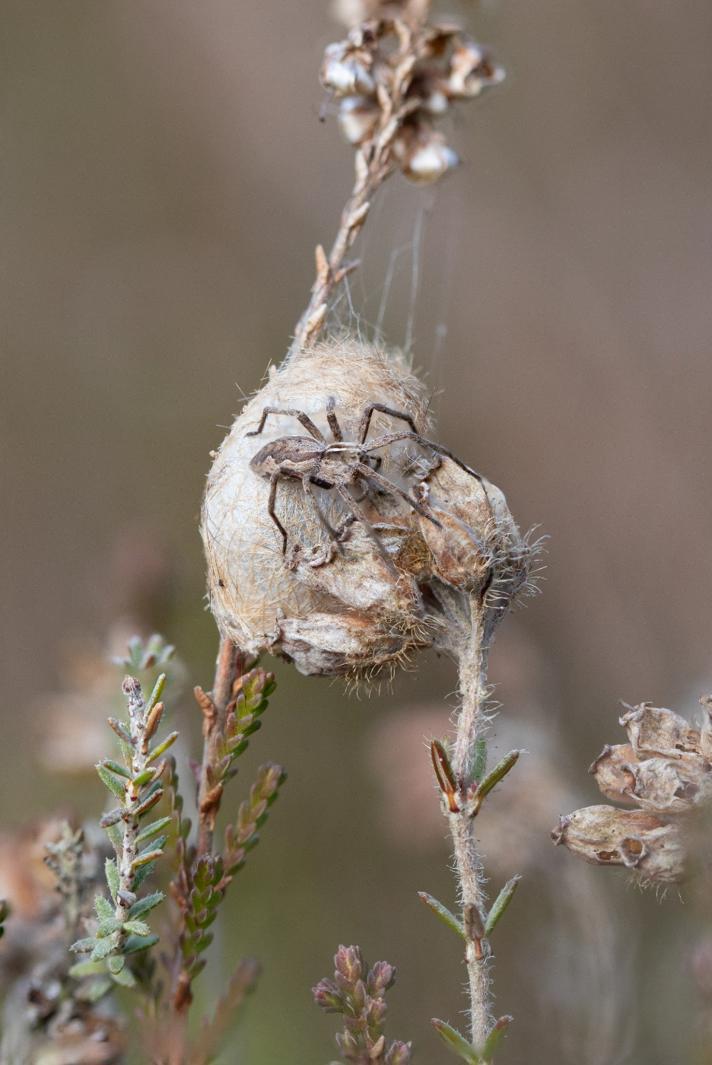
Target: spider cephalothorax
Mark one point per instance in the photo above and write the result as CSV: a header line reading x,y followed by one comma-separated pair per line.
x,y
340,465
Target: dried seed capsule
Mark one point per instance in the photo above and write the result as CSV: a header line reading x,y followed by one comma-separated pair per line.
x,y
471,70
649,845
424,154
358,117
664,785
655,730
614,773
470,513
345,71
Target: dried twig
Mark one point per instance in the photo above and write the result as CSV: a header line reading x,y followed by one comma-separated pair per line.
x,y
229,666
391,77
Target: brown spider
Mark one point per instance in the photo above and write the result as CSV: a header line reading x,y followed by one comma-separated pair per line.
x,y
339,465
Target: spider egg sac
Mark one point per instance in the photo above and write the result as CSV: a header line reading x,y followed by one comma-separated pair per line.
x,y
348,593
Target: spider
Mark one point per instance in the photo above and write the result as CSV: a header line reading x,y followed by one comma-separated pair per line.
x,y
339,464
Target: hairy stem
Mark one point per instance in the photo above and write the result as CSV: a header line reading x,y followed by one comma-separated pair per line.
x,y
470,724
139,763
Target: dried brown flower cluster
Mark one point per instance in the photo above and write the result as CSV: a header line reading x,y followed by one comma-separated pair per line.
x,y
394,75
664,773
401,571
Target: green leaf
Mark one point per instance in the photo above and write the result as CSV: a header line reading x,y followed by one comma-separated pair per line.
x,y
146,857
139,928
479,762
116,767
108,927
116,964
443,913
163,747
153,829
495,1037
87,968
153,794
146,904
143,873
82,946
112,876
111,818
116,836
125,978
103,948
156,693
142,778
456,1042
102,906
501,903
94,989
133,944
494,777
110,781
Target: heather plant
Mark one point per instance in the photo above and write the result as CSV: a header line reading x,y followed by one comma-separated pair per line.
x,y
343,536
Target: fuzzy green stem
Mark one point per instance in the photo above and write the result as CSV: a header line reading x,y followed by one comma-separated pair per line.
x,y
470,725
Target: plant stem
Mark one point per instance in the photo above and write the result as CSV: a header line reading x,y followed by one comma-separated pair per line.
x,y
470,724
331,271
373,164
229,666
139,762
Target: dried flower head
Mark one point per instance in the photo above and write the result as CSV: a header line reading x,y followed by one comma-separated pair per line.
x,y
394,74
363,553
664,771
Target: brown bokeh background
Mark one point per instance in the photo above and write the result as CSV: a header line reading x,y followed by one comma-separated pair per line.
x,y
164,178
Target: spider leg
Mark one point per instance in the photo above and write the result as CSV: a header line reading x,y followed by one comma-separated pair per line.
x,y
331,532
274,479
368,413
300,415
388,486
332,419
393,438
359,515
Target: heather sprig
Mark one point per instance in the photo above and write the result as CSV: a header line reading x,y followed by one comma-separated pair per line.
x,y
358,993
231,714
135,782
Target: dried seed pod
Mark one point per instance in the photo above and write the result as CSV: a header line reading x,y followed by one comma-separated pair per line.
x,y
424,154
358,117
663,785
655,730
345,70
650,846
471,70
477,538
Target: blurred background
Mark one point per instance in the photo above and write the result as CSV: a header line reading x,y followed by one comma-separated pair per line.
x,y
165,176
